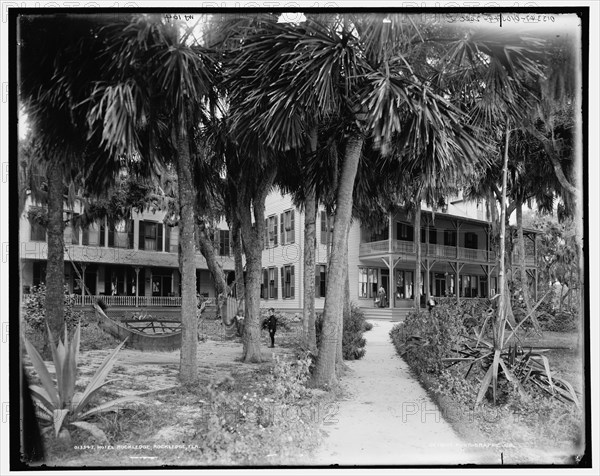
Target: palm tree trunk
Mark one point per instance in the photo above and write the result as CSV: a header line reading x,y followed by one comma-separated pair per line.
x,y
55,268
188,370
251,336
339,359
332,313
208,251
417,237
253,245
308,318
240,288
501,316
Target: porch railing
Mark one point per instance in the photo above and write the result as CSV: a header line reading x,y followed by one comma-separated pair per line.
x,y
130,301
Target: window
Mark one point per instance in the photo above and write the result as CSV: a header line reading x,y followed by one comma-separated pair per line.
x,y
271,231
320,280
72,232
432,236
224,244
367,282
120,235
326,229
171,239
287,281
483,286
264,285
38,231
450,237
404,284
370,235
471,240
494,286
405,232
272,283
93,235
288,234
151,236
468,286
39,273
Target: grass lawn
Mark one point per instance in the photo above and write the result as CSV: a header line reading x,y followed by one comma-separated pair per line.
x,y
238,414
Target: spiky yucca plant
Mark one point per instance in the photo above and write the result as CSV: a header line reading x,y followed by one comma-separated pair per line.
x,y
59,406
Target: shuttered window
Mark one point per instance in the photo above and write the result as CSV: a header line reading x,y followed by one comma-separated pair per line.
x,y
320,280
287,281
288,234
272,283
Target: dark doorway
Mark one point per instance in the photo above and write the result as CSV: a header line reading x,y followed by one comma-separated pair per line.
x,y
440,284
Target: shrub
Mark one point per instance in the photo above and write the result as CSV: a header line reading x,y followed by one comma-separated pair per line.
x,y
562,321
265,427
453,384
425,338
288,378
34,317
353,342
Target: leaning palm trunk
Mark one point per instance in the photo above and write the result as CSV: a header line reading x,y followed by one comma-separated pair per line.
x,y
208,252
188,372
55,269
308,318
216,270
332,314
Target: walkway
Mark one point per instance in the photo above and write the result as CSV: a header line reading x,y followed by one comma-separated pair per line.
x,y
388,419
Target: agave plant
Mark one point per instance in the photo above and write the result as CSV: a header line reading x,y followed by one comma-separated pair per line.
x,y
518,366
59,406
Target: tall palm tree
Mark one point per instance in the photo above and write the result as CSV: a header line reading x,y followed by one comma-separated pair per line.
x,y
152,94
56,55
341,65
287,78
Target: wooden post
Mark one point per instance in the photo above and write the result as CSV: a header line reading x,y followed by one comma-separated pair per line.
x,y
137,285
426,281
83,266
390,234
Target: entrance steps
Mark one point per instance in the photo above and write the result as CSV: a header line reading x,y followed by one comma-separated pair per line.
x,y
387,314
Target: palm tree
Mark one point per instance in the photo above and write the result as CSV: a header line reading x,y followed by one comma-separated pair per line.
x,y
286,77
56,54
148,101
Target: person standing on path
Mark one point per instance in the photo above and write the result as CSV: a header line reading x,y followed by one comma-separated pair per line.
x,y
272,326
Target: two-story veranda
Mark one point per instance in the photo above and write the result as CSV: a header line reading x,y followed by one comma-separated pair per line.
x,y
457,261
130,264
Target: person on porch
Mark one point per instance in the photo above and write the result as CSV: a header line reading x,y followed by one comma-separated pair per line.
x,y
381,295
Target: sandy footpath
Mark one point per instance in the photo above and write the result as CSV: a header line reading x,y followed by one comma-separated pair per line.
x,y
387,417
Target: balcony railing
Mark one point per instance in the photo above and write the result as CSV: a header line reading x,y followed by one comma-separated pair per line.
x,y
130,301
374,247
431,251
